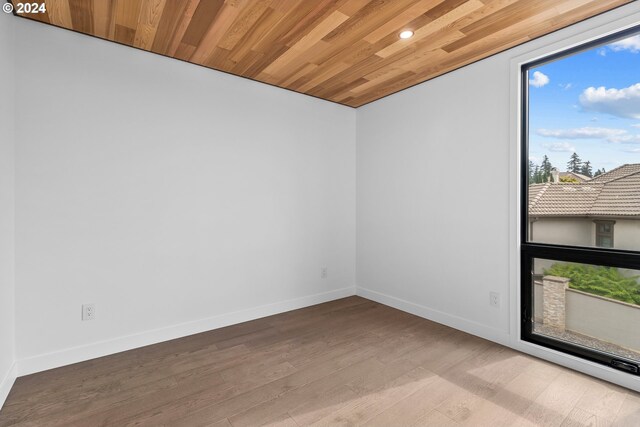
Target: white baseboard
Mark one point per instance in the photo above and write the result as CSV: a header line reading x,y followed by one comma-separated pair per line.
x,y
455,322
7,382
69,356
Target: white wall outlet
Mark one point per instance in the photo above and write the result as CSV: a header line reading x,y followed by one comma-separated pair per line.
x,y
88,311
494,299
324,272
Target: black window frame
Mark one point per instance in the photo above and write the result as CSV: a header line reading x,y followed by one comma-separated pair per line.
x,y
610,257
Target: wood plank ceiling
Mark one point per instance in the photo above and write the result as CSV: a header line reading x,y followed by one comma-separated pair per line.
x,y
346,51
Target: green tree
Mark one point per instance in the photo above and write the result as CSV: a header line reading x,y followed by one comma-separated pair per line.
x,y
599,172
586,169
537,176
569,179
545,169
532,167
604,281
574,164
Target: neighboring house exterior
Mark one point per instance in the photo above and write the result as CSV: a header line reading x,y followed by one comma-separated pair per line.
x,y
603,211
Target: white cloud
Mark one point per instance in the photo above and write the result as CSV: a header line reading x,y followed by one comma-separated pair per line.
x,y
608,134
632,150
560,147
636,125
626,139
602,52
566,86
539,79
632,44
582,133
617,102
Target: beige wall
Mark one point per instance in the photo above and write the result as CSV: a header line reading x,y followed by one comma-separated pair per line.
x,y
582,232
605,319
567,231
626,234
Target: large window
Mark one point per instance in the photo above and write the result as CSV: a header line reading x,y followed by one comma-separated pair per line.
x,y
580,248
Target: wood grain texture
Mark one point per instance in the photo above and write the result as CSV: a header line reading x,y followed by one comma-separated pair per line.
x,y
345,51
346,362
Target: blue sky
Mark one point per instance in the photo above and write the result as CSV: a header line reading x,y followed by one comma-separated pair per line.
x,y
588,103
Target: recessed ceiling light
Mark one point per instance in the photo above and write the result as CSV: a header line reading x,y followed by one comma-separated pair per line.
x,y
406,34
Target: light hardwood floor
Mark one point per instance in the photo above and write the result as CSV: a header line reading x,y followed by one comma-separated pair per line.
x,y
347,362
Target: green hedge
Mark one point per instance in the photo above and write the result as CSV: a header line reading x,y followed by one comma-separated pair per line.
x,y
603,281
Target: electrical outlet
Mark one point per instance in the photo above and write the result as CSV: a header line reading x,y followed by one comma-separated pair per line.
x,y
494,299
324,272
88,311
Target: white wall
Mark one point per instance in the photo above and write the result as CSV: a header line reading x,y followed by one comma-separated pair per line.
x,y
432,203
168,193
7,100
437,194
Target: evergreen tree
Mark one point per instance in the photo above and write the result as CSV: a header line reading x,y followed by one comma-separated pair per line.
x,y
574,164
531,174
545,169
599,172
539,174
586,169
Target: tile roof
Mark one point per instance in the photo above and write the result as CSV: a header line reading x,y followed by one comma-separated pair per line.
x,y
619,197
618,172
613,194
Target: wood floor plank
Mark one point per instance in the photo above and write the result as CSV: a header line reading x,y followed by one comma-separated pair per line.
x,y
136,410
505,406
347,362
603,400
380,396
293,400
435,418
418,407
558,399
242,395
321,366
580,418
143,358
629,413
120,381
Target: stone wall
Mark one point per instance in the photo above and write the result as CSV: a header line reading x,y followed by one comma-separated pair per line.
x,y
554,297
